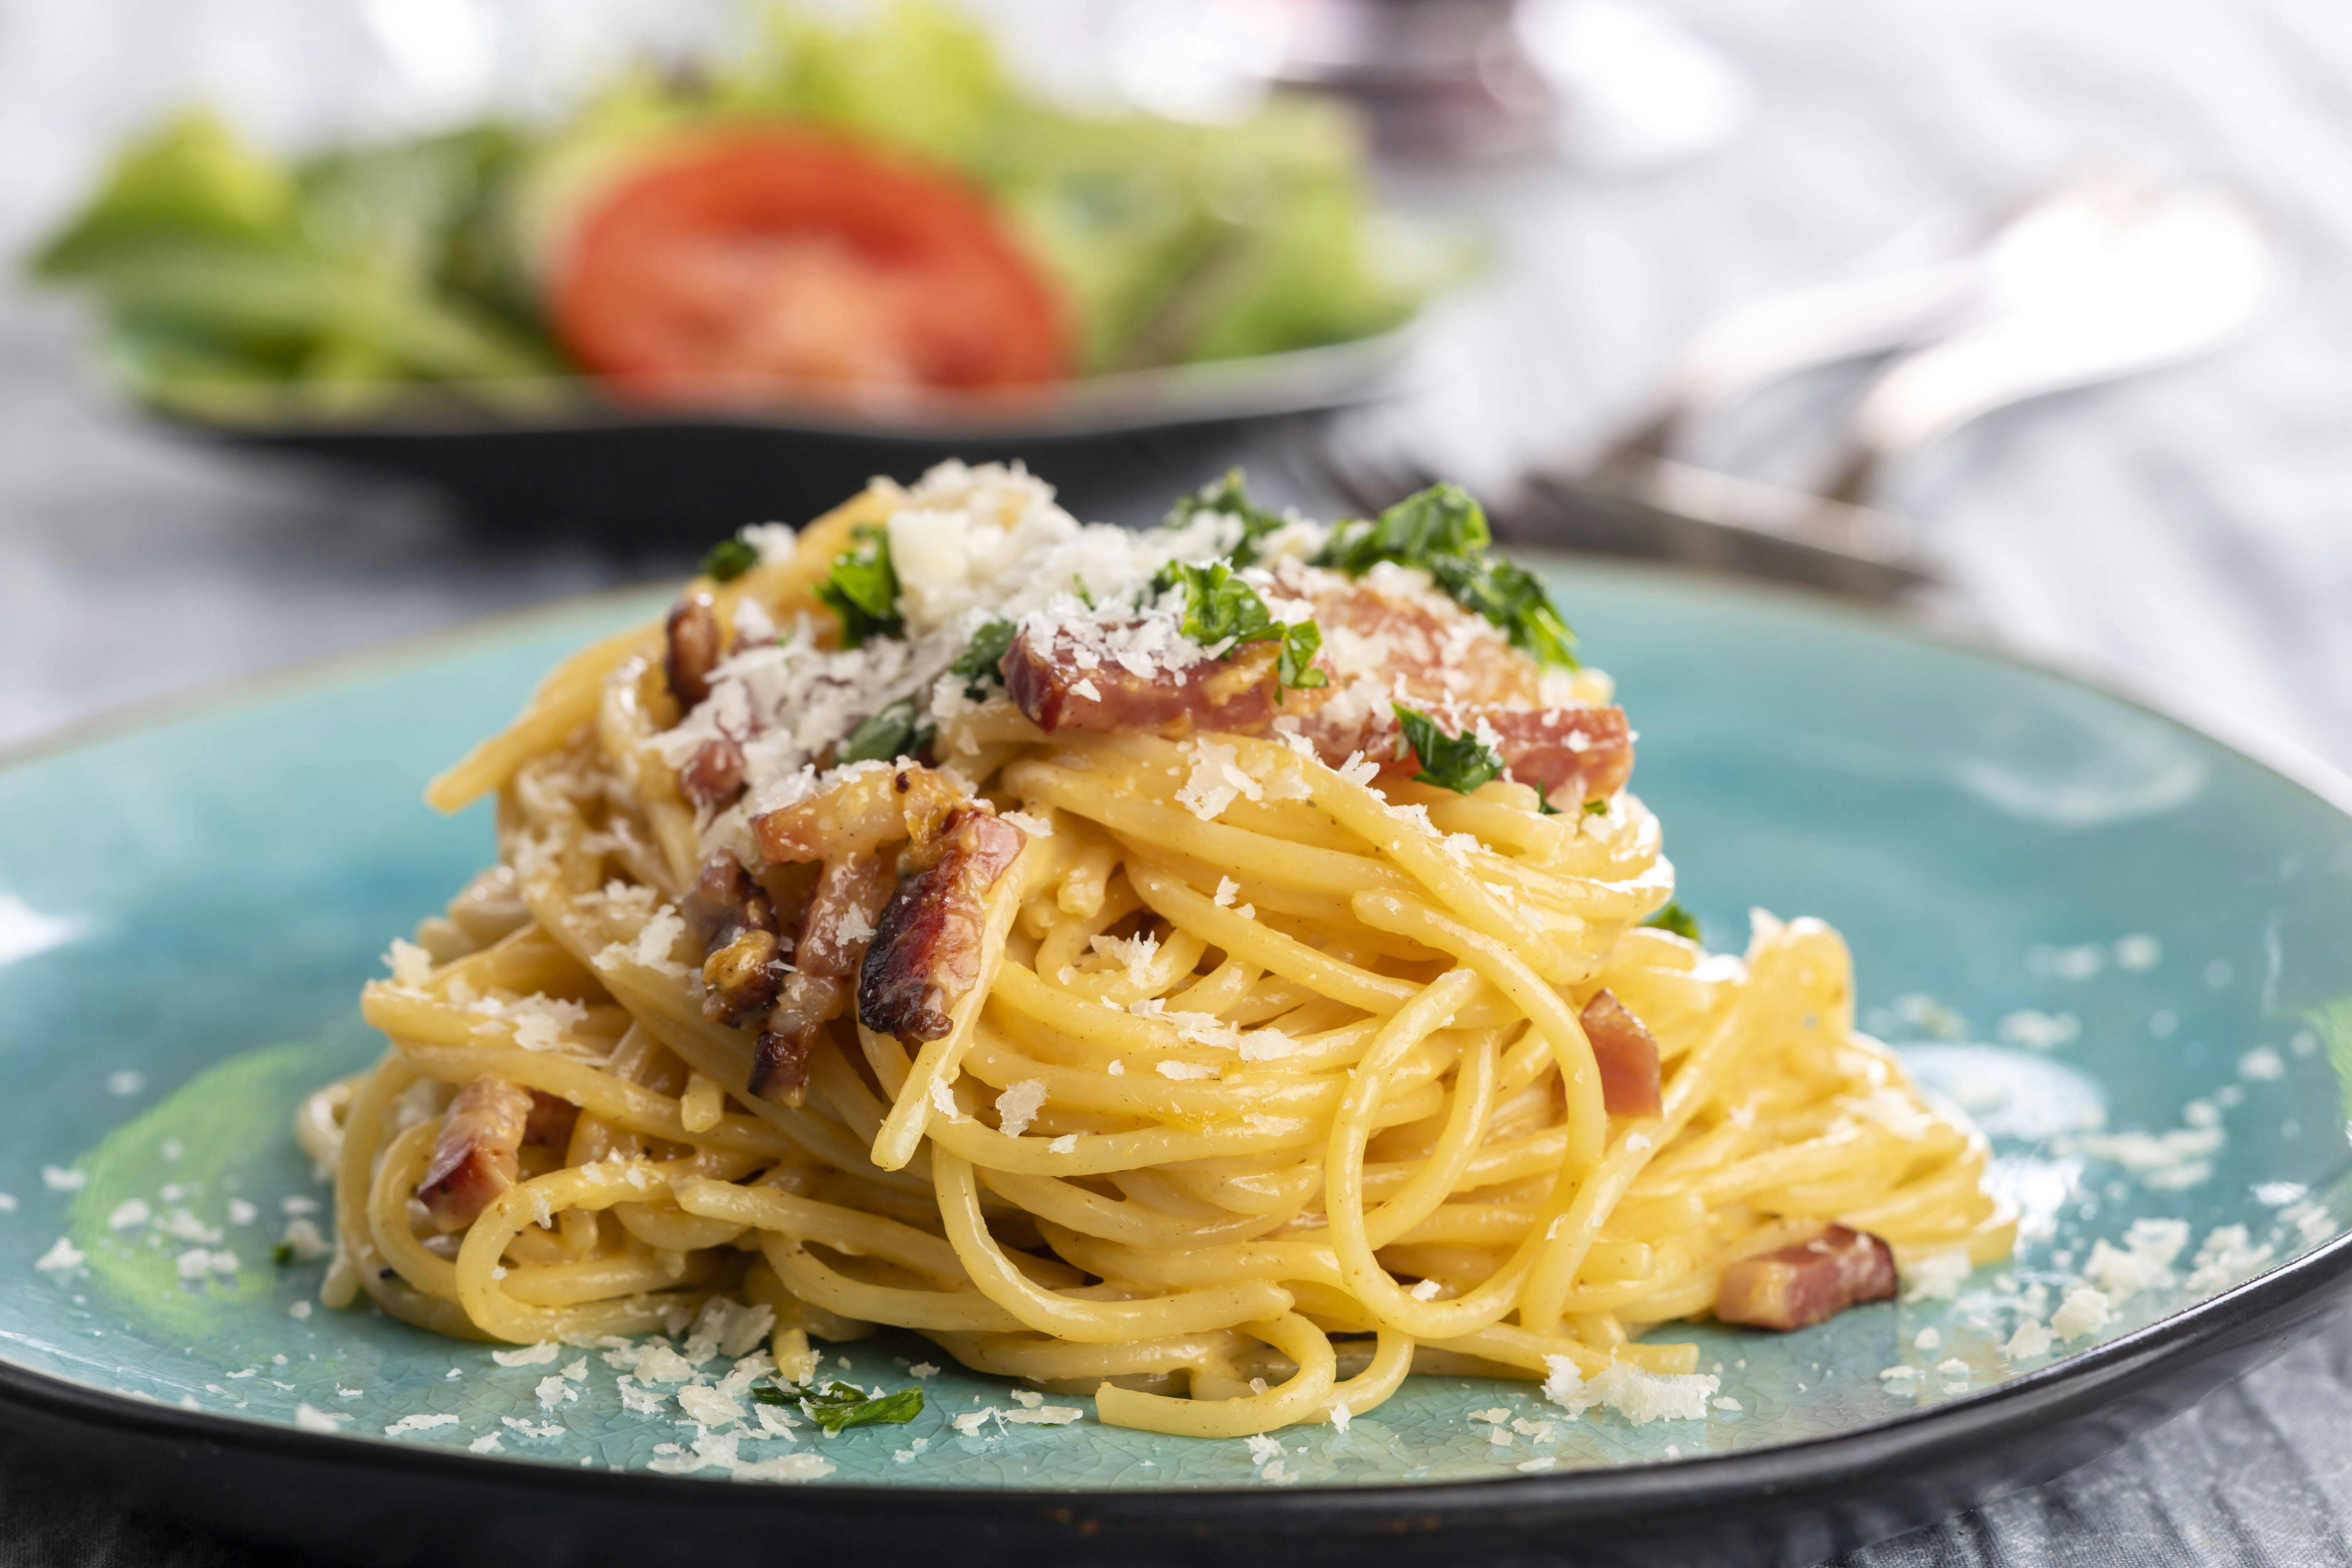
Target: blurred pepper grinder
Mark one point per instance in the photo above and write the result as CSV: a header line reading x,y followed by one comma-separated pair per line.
x,y
1612,85
1441,78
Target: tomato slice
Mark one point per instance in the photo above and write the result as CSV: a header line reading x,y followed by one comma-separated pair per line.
x,y
752,262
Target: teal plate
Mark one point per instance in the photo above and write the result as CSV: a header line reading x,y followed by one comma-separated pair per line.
x,y
2124,945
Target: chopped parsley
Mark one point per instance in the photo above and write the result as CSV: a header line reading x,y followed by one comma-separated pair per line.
x,y
1229,497
1514,599
1676,918
729,559
885,736
1459,763
861,588
980,656
1442,523
1596,808
1442,531
1222,611
1301,641
840,1406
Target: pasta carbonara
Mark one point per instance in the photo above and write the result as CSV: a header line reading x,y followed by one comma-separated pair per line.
x,y
1204,968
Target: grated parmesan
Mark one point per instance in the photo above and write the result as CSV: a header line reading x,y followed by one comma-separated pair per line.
x,y
1018,1106
1937,1277
2084,1311
1640,1396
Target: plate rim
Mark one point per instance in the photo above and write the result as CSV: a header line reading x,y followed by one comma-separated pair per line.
x,y
1316,378
1600,1490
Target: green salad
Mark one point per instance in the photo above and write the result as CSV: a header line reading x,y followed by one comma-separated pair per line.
x,y
847,206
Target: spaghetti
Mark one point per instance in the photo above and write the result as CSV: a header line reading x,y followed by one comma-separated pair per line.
x,y
1203,969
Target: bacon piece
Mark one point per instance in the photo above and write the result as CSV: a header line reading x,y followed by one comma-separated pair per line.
x,y
1807,1283
743,960
550,1122
742,976
1570,754
926,954
1236,693
695,645
1626,1053
850,893
779,1061
1375,628
478,1154
713,777
857,816
1380,636
717,897
725,902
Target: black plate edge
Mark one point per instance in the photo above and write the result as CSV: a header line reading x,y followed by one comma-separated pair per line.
x,y
1322,377
1788,1504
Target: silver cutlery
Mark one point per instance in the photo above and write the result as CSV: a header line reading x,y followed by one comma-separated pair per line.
x,y
2103,277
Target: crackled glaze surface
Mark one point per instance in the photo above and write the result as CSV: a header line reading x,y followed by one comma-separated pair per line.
x,y
2072,914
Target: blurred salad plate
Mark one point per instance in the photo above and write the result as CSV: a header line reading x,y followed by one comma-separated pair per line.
x,y
856,243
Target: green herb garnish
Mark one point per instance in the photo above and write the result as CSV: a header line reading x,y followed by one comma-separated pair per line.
x,y
861,588
1442,531
1511,597
839,1406
885,736
980,656
1677,920
729,559
1301,641
1441,523
1219,609
1228,497
1459,763
1596,808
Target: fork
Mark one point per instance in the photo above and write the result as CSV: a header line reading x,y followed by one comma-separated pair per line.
x,y
2105,276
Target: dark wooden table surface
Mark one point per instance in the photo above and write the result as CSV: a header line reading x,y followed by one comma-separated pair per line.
x,y
2195,526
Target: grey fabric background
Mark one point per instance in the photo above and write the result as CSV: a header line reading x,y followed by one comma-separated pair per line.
x,y
2195,526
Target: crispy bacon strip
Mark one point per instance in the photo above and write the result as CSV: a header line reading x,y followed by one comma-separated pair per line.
x,y
716,901
1626,1053
926,951
479,1154
695,645
743,977
713,777
845,828
850,893
857,816
780,1058
1807,1283
1057,691
743,960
